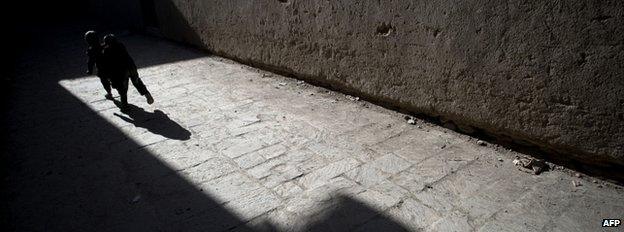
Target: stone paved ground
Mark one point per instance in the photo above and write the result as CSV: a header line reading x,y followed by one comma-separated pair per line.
x,y
229,147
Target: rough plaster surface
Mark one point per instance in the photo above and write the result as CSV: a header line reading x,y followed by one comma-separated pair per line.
x,y
542,73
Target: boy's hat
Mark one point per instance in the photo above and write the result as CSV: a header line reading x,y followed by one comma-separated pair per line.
x,y
110,39
90,36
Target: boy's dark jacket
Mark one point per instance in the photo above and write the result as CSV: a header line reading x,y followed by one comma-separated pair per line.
x,y
116,62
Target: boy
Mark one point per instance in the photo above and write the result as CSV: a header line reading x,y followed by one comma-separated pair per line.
x,y
119,67
94,52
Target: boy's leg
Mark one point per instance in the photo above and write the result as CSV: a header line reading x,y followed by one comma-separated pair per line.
x,y
122,89
107,86
138,84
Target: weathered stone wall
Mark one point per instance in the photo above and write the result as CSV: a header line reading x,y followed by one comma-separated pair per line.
x,y
548,73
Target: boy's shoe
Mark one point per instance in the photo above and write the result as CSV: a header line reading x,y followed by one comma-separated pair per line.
x,y
149,98
108,96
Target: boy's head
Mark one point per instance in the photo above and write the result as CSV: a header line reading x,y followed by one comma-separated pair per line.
x,y
110,39
91,37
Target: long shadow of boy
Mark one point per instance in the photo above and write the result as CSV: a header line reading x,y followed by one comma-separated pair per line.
x,y
157,122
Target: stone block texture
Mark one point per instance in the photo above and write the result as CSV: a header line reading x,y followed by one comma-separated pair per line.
x,y
544,73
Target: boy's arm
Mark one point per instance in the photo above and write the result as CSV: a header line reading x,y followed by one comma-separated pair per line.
x,y
130,62
91,61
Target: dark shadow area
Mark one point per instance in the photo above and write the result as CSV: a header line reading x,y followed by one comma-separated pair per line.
x,y
167,11
66,169
65,172
148,10
156,122
349,214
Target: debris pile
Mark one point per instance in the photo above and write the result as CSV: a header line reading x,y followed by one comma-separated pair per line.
x,y
352,98
410,120
576,183
537,166
136,199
